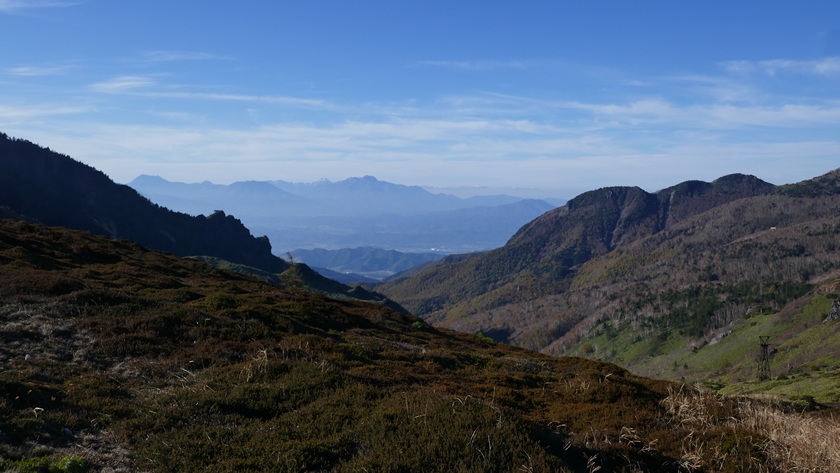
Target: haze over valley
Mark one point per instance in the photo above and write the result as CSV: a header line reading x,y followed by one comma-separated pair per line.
x,y
355,212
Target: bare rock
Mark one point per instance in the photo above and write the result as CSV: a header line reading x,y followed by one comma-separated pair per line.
x,y
834,311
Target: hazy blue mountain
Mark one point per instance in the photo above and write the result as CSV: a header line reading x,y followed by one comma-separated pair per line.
x,y
355,196
372,262
344,278
248,198
491,200
369,196
454,231
355,212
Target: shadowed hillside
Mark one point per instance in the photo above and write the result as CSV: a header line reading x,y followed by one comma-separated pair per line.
x,y
56,190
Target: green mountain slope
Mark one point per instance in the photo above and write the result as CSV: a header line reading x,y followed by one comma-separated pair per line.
x,y
113,356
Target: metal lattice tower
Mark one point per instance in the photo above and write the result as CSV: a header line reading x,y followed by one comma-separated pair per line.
x,y
764,359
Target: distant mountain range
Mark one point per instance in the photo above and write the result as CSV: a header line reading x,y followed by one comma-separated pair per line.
x,y
355,212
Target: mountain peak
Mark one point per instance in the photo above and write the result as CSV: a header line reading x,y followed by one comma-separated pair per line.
x,y
146,179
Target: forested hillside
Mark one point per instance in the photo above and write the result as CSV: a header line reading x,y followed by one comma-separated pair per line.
x,y
544,257
612,249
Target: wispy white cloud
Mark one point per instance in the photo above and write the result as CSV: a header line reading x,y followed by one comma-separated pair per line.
x,y
656,108
166,56
20,112
715,115
142,86
475,65
10,6
456,150
425,152
32,71
674,128
122,84
275,99
824,66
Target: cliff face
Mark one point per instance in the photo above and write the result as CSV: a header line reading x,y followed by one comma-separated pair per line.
x,y
57,190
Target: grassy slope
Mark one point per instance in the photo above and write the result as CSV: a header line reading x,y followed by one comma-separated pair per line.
x,y
635,333
806,357
140,360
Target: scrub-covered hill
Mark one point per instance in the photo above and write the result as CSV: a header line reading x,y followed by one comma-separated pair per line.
x,y
114,357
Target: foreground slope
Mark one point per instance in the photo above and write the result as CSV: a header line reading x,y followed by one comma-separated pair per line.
x,y
115,357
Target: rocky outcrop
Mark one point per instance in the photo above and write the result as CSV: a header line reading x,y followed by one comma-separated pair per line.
x,y
834,311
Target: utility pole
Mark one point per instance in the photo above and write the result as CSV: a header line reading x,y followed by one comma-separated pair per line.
x,y
764,358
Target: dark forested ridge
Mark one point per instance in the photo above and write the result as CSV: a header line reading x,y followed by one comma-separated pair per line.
x,y
57,190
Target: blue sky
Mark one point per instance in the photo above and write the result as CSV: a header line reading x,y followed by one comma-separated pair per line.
x,y
556,96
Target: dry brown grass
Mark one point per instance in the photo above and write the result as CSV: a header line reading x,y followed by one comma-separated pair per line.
x,y
796,441
691,407
791,441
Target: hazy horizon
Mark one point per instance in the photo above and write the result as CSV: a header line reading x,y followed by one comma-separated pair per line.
x,y
560,97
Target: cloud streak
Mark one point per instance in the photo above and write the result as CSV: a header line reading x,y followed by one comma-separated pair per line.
x,y
11,6
475,65
141,85
425,152
653,136
716,116
270,99
17,113
35,71
168,56
828,66
122,84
